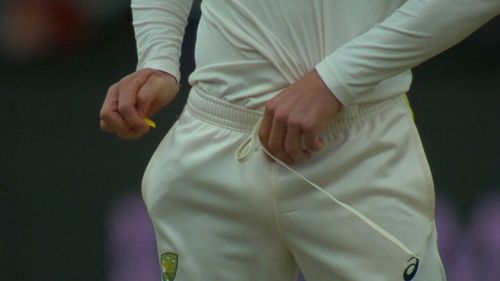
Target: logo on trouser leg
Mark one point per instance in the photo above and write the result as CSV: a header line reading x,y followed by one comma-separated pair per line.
x,y
411,269
168,266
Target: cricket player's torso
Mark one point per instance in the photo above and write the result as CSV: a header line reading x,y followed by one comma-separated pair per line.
x,y
249,50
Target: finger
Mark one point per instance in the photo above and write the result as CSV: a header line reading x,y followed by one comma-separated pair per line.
x,y
307,154
105,127
111,120
125,134
127,95
276,142
293,142
313,141
265,130
265,127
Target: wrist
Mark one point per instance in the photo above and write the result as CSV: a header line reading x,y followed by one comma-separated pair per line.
x,y
324,88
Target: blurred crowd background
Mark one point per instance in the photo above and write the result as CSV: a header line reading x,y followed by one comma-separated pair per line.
x,y
70,194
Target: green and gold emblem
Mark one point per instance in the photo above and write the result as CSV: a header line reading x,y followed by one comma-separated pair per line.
x,y
169,266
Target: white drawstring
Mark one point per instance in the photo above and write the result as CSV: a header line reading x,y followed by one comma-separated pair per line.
x,y
252,143
246,149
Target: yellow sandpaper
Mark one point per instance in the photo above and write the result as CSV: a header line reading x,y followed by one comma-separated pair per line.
x,y
150,122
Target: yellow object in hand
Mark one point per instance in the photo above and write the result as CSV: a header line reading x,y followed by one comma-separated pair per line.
x,y
150,122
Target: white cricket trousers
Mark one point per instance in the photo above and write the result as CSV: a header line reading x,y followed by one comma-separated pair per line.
x,y
361,209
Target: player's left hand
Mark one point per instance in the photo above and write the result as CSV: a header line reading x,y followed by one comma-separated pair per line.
x,y
292,121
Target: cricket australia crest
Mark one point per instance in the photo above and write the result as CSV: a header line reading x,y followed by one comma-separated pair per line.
x,y
168,266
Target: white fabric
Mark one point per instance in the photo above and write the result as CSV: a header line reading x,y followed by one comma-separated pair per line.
x,y
248,50
228,220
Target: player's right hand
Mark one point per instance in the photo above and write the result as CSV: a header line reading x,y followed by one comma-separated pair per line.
x,y
134,97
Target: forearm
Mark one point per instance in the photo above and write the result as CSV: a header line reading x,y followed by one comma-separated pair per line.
x,y
159,29
414,33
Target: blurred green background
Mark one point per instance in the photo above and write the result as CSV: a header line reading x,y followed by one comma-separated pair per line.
x,y
59,172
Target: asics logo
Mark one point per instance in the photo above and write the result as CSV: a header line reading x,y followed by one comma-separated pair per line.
x,y
411,269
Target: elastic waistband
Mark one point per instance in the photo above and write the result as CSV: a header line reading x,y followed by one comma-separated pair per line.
x,y
222,113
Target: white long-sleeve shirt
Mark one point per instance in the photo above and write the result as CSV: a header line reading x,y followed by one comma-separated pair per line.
x,y
249,50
